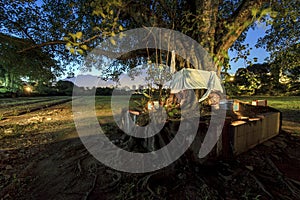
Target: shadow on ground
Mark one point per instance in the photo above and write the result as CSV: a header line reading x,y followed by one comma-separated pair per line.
x,y
65,170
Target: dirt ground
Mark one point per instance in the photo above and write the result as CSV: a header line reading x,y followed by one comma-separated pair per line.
x,y
41,157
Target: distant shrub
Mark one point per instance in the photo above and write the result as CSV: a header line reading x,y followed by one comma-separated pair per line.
x,y
64,88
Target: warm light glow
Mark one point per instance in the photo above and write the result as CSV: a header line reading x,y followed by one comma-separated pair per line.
x,y
28,89
231,78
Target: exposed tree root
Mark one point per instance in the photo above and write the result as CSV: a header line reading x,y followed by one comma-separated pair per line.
x,y
153,193
281,196
294,181
290,186
261,186
71,163
79,166
91,189
114,184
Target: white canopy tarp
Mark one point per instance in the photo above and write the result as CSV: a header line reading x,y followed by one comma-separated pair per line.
x,y
195,79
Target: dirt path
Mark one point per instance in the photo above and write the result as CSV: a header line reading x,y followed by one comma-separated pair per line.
x,y
43,158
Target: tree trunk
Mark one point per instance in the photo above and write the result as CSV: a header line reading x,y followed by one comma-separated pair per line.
x,y
230,30
209,12
6,81
11,81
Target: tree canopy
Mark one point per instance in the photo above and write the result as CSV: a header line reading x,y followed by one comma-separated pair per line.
x,y
36,65
69,29
282,39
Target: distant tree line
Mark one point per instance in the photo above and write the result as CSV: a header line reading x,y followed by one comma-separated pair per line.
x,y
263,79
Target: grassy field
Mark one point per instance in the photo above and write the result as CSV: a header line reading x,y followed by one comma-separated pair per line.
x,y
281,103
288,105
17,106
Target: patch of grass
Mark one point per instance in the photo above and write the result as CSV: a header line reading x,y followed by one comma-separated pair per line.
x,y
12,107
291,102
288,105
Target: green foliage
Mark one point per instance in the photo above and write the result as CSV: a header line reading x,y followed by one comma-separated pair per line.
x,y
46,23
246,81
106,13
174,113
141,104
37,65
283,36
263,79
43,89
67,30
231,87
104,91
65,87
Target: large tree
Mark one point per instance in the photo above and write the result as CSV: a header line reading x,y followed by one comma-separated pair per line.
x,y
36,65
216,24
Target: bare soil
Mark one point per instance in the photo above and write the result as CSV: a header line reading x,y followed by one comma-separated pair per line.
x,y
41,157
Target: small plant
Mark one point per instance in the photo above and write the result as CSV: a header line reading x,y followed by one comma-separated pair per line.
x,y
141,105
257,197
174,113
172,107
15,179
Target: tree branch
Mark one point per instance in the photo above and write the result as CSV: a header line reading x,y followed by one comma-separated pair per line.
x,y
7,37
55,42
230,30
166,7
24,30
241,19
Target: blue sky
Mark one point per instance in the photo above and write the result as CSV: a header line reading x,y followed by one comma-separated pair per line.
x,y
251,39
